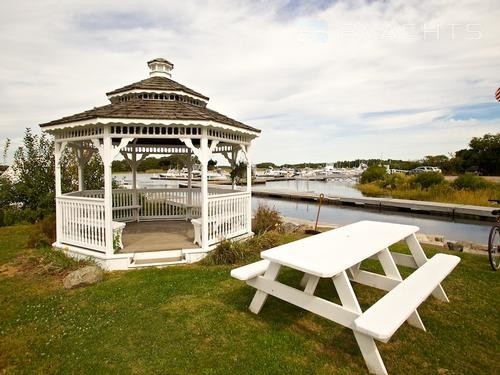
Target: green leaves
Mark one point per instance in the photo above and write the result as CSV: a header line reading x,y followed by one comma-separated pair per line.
x,y
34,167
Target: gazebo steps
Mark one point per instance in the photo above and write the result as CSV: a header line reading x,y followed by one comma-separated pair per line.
x,y
157,262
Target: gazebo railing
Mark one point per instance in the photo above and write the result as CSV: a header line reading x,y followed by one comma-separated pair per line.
x,y
169,203
82,213
152,204
227,216
82,222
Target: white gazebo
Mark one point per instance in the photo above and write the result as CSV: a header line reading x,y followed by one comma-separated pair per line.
x,y
155,116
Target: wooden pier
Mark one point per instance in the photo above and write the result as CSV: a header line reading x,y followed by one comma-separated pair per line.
x,y
451,210
386,204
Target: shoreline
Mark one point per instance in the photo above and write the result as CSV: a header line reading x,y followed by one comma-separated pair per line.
x,y
437,240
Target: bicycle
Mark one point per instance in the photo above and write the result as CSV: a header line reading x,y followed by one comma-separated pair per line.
x,y
494,240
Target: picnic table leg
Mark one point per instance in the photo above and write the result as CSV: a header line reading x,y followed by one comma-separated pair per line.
x,y
420,258
370,353
312,283
353,271
391,270
260,297
304,280
366,344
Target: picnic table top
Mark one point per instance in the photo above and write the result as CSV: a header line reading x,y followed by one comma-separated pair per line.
x,y
329,253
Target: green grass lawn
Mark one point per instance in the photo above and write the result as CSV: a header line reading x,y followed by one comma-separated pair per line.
x,y
194,319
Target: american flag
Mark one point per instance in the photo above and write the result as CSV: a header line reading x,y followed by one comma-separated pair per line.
x,y
497,94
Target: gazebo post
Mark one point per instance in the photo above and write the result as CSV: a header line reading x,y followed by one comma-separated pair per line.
x,y
134,173
234,153
190,188
249,188
204,151
134,164
108,190
58,149
81,162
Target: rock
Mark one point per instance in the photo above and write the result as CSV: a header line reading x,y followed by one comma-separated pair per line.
x,y
288,227
454,245
431,239
82,277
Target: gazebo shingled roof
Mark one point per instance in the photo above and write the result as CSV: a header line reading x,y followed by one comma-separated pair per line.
x,y
152,109
157,97
157,83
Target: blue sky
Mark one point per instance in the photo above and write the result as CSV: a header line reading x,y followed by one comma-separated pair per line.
x,y
324,80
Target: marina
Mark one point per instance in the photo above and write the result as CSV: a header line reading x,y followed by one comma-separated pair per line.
x,y
345,204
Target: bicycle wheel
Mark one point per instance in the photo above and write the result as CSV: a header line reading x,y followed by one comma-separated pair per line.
x,y
494,247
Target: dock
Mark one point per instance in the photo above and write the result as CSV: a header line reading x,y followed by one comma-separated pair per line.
x,y
451,210
386,204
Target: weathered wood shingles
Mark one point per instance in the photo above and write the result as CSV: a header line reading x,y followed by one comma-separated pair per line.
x,y
138,108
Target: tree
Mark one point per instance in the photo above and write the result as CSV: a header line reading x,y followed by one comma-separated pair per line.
x,y
34,187
266,165
211,164
482,156
486,150
5,192
34,168
120,166
239,172
93,171
373,173
5,151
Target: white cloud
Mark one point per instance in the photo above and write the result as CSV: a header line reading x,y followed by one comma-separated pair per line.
x,y
363,85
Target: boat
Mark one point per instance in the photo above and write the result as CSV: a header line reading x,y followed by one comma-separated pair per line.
x,y
275,173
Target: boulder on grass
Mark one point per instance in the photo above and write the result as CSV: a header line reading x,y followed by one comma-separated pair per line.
x,y
288,227
82,277
455,245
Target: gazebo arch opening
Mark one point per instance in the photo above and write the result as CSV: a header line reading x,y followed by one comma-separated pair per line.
x,y
155,116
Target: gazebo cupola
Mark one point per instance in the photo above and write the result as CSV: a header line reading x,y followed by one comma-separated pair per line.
x,y
154,116
160,68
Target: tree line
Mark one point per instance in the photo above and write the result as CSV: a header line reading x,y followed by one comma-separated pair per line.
x,y
482,156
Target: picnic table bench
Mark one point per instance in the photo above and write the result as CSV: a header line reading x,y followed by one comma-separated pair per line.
x,y
337,254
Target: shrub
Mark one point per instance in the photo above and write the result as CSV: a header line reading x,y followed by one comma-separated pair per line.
x,y
227,252
48,261
266,218
373,173
395,181
428,179
231,252
470,181
44,234
268,240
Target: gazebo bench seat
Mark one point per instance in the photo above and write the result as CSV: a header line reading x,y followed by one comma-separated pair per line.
x,y
118,228
197,230
197,225
126,207
135,208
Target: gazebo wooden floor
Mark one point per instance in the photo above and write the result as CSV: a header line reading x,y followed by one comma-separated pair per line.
x,y
158,236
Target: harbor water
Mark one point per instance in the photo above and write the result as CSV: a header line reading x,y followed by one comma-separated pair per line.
x,y
458,230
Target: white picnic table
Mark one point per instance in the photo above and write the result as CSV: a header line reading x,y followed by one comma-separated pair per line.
x,y
337,254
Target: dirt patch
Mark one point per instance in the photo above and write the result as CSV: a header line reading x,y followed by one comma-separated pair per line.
x,y
33,264
307,325
9,270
